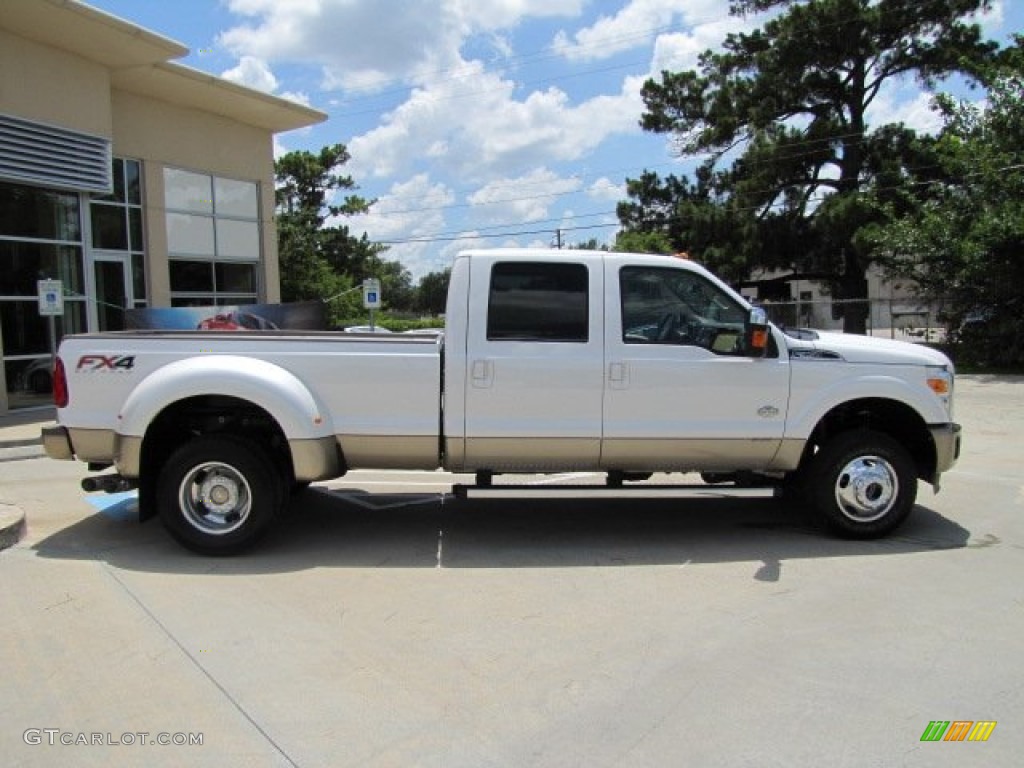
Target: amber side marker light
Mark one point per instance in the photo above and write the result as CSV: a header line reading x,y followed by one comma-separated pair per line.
x,y
938,386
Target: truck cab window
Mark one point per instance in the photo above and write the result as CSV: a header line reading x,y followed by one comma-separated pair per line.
x,y
661,305
531,301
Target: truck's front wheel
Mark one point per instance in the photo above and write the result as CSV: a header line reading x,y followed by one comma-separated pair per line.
x,y
862,484
217,494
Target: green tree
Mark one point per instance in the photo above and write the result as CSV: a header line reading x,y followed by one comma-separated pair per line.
x,y
432,292
787,103
628,241
964,245
320,258
396,284
587,245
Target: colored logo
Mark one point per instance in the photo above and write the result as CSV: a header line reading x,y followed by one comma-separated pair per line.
x,y
91,363
958,730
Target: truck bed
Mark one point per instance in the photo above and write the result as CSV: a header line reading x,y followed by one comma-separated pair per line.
x,y
379,395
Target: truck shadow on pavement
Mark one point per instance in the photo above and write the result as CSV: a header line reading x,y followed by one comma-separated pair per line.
x,y
349,528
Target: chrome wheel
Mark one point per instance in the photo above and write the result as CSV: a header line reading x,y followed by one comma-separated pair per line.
x,y
218,494
215,498
866,489
862,483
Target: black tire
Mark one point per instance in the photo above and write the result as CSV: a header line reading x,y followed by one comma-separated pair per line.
x,y
861,484
218,494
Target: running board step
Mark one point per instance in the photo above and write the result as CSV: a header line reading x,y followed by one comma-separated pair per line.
x,y
604,492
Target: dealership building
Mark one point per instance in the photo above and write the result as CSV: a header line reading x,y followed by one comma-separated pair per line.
x,y
132,180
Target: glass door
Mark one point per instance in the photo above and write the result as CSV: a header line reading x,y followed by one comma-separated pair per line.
x,y
112,289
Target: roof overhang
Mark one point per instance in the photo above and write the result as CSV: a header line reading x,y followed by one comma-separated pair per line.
x,y
138,61
87,32
189,87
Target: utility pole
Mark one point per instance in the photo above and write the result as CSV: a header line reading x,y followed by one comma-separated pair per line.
x,y
558,239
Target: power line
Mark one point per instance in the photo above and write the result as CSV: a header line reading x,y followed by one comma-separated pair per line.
x,y
476,235
450,237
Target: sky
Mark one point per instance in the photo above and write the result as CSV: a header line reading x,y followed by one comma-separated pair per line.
x,y
478,123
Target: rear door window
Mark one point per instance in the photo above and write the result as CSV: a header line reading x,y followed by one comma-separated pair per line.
x,y
536,301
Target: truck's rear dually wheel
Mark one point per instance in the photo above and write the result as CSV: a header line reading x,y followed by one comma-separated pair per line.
x,y
861,483
217,494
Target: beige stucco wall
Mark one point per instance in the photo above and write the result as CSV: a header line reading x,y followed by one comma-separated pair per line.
x,y
162,134
49,86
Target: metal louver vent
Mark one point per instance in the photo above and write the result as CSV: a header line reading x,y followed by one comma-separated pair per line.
x,y
54,157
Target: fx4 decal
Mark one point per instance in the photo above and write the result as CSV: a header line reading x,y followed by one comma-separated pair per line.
x,y
92,363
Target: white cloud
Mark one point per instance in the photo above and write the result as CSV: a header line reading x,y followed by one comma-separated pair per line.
x,y
640,22
605,190
523,199
490,15
253,73
475,128
633,26
410,210
296,96
912,108
364,45
992,21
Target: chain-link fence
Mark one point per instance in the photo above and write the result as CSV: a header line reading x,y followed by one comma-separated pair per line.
x,y
905,319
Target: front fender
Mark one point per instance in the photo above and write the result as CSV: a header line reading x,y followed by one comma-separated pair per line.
x,y
818,387
277,391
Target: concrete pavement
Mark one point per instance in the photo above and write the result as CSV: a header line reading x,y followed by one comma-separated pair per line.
x,y
384,625
19,439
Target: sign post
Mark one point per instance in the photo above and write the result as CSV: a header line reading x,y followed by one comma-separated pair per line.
x,y
371,297
51,305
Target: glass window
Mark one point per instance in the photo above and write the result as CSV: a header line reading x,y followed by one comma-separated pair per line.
x,y
39,213
23,333
236,198
133,184
187,191
135,241
189,235
23,263
538,302
236,278
661,305
139,277
116,222
213,222
190,301
191,276
238,240
109,226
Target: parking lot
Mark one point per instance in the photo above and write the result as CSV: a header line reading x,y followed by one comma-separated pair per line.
x,y
384,623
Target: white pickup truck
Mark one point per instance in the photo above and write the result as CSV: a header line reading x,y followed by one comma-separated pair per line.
x,y
550,361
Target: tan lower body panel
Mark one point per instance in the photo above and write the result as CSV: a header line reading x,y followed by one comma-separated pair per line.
x,y
389,452
128,458
791,450
97,445
57,444
312,459
315,459
639,455
532,454
684,455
